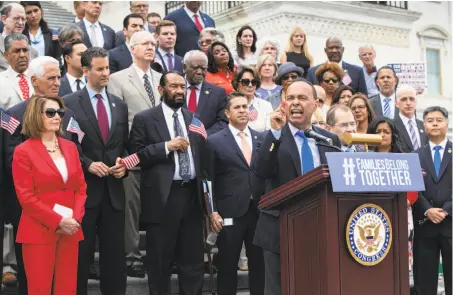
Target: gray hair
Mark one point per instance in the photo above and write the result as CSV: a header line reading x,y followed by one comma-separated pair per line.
x,y
440,109
403,88
14,37
263,41
366,46
36,66
218,36
140,36
6,10
68,31
192,53
262,59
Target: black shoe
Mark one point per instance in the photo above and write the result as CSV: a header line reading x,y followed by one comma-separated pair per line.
x,y
136,269
94,271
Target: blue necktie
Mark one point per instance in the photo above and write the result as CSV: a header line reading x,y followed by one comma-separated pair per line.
x,y
387,108
437,159
307,156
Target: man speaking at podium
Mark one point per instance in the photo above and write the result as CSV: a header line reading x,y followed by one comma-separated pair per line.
x,y
285,154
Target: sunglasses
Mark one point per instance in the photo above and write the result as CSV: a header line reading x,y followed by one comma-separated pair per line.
x,y
50,113
292,77
247,82
330,80
202,42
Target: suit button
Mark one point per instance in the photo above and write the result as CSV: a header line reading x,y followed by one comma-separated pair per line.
x,y
64,189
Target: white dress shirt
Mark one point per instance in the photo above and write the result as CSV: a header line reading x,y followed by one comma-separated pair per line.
x,y
141,75
191,14
391,103
264,108
168,114
414,125
442,148
164,59
73,82
197,91
97,29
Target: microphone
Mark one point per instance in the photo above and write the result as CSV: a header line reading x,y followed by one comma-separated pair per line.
x,y
315,135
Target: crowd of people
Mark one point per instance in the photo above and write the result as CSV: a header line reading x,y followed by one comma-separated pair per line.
x,y
162,126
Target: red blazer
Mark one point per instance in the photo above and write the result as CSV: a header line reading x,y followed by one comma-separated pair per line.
x,y
39,186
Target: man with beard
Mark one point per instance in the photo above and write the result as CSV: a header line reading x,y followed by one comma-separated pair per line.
x,y
103,118
285,154
384,104
171,191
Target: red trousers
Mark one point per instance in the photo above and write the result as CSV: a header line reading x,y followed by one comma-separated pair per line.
x,y
52,264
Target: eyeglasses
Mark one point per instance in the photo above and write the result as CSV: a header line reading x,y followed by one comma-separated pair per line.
x,y
358,108
202,42
292,77
50,113
330,80
345,125
247,82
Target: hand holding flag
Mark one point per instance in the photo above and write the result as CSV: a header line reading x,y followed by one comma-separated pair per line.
x,y
130,161
74,127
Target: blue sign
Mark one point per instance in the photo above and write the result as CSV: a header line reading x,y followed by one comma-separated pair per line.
x,y
375,172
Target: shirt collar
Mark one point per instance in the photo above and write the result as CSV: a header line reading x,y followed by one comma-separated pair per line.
x,y
340,63
164,53
392,97
351,148
73,79
188,85
16,74
92,92
191,13
294,130
169,111
236,131
406,119
442,144
141,73
88,23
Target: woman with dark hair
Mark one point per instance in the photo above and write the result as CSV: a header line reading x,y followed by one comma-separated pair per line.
x,y
362,110
220,66
342,95
329,76
40,36
245,47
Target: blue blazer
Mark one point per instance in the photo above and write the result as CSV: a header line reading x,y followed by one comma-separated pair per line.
x,y
178,66
187,31
108,32
356,73
119,59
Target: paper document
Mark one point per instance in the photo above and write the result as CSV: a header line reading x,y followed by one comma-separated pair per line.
x,y
63,211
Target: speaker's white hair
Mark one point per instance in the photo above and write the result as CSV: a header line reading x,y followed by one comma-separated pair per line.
x,y
36,66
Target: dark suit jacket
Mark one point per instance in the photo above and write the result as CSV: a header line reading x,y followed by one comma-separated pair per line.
x,y
405,138
278,166
11,141
148,135
51,47
178,66
95,150
187,31
211,107
356,73
120,39
376,104
108,32
119,58
437,194
2,176
65,88
232,178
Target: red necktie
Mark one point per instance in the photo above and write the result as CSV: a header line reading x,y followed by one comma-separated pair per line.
x,y
193,99
23,84
103,119
371,71
197,23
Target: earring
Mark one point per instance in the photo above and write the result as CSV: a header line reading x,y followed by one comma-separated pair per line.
x,y
240,43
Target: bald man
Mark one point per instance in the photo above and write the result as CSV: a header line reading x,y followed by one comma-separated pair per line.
x,y
410,129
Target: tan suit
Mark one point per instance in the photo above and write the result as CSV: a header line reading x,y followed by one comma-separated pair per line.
x,y
10,93
127,85
3,62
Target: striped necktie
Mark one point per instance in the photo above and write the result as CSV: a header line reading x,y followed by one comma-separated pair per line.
x,y
413,135
387,112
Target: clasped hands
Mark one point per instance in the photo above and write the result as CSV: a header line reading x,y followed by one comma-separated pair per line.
x,y
101,170
436,215
68,226
178,144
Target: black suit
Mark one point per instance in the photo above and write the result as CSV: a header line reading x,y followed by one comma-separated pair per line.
x,y
51,47
106,202
172,210
232,180
120,58
177,63
405,138
2,192
376,104
278,162
355,72
10,142
430,238
107,32
211,107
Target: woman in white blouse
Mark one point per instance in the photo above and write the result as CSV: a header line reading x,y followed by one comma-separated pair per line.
x,y
247,81
245,54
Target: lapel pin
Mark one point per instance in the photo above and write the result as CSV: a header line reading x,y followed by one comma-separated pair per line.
x,y
207,92
421,130
272,147
449,151
113,104
105,30
255,137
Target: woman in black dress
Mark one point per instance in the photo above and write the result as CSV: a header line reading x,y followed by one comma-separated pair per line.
x,y
297,51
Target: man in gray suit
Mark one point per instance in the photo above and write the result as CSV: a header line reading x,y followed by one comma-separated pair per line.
x,y
340,120
137,86
13,19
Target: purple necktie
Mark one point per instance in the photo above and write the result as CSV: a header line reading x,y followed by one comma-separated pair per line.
x,y
103,119
170,62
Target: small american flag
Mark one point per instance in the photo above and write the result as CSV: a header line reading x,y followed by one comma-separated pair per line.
x,y
131,161
74,127
253,113
197,127
9,123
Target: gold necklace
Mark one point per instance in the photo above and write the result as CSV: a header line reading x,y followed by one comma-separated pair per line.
x,y
55,149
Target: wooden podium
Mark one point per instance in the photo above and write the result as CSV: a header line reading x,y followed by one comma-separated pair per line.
x,y
315,259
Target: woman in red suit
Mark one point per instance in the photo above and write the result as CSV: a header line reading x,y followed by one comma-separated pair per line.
x,y
51,189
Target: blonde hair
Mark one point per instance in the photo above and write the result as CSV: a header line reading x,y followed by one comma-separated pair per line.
x,y
262,59
291,48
